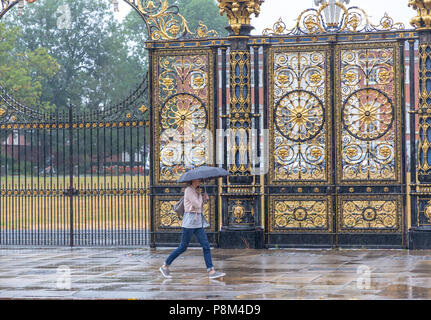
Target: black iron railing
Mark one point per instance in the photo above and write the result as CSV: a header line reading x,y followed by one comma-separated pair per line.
x,y
73,178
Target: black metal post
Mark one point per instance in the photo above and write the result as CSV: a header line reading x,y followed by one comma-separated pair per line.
x,y
240,196
150,96
412,73
403,126
71,173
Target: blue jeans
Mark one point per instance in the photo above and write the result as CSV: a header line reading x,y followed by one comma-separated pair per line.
x,y
186,236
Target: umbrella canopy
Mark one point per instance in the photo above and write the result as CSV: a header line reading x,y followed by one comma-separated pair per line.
x,y
203,172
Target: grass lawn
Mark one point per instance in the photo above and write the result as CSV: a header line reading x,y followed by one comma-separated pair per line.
x,y
51,211
62,182
89,212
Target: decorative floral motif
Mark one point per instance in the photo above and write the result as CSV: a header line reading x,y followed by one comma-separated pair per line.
x,y
293,214
423,19
185,113
368,135
239,11
299,115
168,217
367,114
369,214
183,99
325,19
427,211
164,22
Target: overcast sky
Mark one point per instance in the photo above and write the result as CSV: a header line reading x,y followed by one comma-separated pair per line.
x,y
289,10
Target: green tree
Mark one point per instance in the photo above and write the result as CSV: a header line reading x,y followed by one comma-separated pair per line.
x,y
135,34
194,11
205,11
88,43
24,72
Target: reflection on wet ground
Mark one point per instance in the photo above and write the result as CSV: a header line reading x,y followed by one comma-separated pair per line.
x,y
132,273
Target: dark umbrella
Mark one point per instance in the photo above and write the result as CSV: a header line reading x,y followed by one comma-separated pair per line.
x,y
203,172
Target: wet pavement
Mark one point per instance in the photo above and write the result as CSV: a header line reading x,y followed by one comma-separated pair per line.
x,y
132,273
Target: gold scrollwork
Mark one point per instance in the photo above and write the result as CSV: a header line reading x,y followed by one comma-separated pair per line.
x,y
368,114
299,115
369,131
322,20
300,214
423,18
299,137
202,31
239,11
369,214
167,217
181,114
239,118
164,22
424,161
427,211
185,113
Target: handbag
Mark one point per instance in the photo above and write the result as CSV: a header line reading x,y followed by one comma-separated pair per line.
x,y
205,223
179,208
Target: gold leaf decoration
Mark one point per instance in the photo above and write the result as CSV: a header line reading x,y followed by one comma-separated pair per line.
x,y
423,18
164,22
323,20
239,11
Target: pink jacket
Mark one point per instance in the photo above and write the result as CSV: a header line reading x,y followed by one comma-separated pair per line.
x,y
192,200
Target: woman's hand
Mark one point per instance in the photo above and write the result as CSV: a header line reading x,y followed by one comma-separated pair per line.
x,y
205,197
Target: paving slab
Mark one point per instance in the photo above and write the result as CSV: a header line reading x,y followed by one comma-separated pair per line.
x,y
279,274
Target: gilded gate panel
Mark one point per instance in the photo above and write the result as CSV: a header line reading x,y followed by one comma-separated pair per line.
x,y
167,219
424,143
424,211
367,128
368,109
370,213
183,124
182,113
300,213
368,136
299,100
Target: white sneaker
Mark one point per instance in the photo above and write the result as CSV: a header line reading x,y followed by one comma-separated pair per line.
x,y
216,275
165,272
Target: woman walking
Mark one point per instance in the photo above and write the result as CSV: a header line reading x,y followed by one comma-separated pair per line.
x,y
193,224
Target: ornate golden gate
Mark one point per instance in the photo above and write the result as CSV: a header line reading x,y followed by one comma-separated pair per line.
x,y
326,99
333,111
336,168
